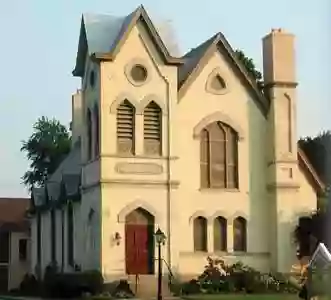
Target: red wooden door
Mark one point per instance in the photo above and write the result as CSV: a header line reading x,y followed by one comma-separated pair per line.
x,y
136,249
141,238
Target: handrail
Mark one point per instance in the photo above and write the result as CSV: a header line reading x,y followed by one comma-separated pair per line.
x,y
171,275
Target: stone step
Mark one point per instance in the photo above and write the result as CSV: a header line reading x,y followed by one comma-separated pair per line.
x,y
145,286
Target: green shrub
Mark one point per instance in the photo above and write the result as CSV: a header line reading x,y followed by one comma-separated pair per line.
x,y
122,290
220,278
29,286
72,285
192,287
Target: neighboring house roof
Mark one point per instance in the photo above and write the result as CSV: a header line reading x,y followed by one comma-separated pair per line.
x,y
13,214
101,36
309,169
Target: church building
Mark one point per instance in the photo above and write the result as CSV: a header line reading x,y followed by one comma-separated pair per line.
x,y
191,145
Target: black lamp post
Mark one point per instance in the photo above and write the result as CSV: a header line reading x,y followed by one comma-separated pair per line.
x,y
160,240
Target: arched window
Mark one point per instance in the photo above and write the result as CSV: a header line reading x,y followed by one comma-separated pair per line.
x,y
70,234
126,128
152,129
218,156
96,130
240,234
53,235
200,234
39,239
89,134
220,234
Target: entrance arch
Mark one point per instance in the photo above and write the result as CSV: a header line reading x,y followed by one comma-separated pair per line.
x,y
139,242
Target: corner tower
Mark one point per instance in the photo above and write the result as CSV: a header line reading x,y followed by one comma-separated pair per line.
x,y
283,183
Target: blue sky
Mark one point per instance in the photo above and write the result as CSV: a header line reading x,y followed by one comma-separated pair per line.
x,y
39,42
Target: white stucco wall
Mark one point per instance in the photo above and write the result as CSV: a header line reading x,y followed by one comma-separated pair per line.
x,y
18,268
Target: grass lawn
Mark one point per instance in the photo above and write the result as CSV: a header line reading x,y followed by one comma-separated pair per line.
x,y
246,297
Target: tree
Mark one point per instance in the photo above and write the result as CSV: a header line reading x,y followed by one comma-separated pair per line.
x,y
49,143
310,232
250,67
318,151
311,229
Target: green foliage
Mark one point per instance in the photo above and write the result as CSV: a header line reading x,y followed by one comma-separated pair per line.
x,y
218,278
71,285
29,286
308,234
318,151
250,67
49,143
122,290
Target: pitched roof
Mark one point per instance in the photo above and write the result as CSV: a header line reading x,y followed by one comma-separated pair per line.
x,y
192,58
308,167
199,56
101,36
13,214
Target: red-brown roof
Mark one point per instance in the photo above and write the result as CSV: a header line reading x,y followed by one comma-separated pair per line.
x,y
308,167
13,214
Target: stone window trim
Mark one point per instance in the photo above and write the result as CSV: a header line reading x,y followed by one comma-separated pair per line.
x,y
138,204
217,72
153,129
125,128
220,234
221,117
219,157
230,220
218,213
200,234
199,213
128,68
139,105
153,98
239,224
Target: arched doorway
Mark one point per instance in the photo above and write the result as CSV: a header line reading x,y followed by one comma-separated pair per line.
x,y
139,242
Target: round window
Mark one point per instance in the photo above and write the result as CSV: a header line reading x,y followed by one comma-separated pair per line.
x,y
139,73
92,78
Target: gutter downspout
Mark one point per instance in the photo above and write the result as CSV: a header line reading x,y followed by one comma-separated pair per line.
x,y
168,195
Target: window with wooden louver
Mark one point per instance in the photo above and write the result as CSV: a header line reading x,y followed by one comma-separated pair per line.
x,y
125,128
152,129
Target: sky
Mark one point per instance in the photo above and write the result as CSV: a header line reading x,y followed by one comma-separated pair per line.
x,y
39,42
